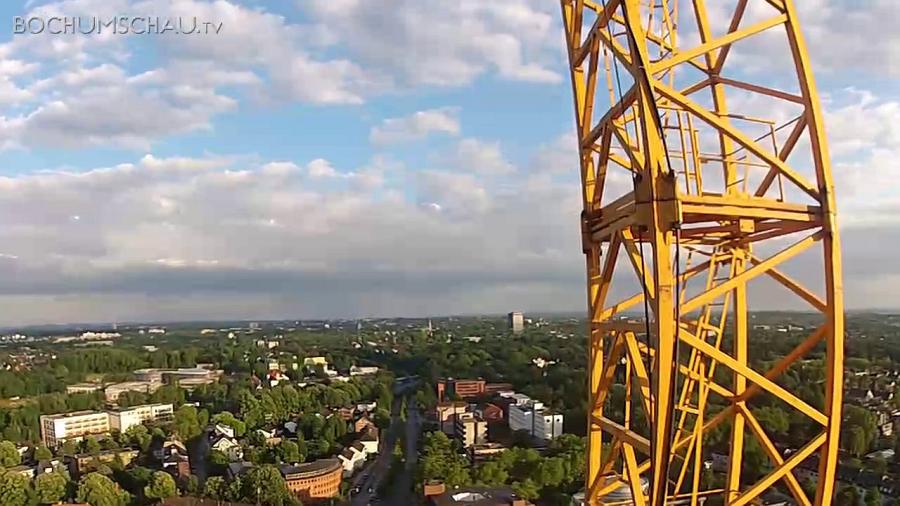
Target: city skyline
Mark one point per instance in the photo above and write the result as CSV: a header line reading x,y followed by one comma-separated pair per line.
x,y
306,161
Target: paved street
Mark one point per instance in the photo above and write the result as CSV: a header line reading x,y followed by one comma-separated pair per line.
x,y
376,472
198,449
403,486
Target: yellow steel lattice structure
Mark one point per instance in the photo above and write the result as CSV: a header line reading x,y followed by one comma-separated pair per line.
x,y
705,173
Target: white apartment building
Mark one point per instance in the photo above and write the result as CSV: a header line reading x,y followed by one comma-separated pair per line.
x,y
83,388
363,370
59,428
515,321
548,425
113,391
125,418
531,416
470,429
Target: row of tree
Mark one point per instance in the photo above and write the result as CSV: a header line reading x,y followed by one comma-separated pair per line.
x,y
551,477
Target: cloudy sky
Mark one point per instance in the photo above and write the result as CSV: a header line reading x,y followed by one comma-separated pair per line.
x,y
317,158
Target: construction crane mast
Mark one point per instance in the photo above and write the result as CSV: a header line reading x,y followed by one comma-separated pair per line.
x,y
707,188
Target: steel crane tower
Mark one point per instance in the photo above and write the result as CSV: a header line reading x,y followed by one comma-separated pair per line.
x,y
706,185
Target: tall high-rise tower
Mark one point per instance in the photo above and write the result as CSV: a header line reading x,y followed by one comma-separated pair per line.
x,y
515,322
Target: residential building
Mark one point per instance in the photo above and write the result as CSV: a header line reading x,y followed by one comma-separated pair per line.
x,y
179,465
462,388
352,458
197,501
366,407
346,413
83,388
87,462
370,441
186,377
470,429
482,452
480,496
515,322
59,428
497,388
363,370
362,423
314,480
167,448
491,413
531,416
314,361
220,429
228,446
22,470
446,413
113,391
548,425
123,419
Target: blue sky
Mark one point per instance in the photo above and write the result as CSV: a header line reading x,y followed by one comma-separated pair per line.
x,y
318,158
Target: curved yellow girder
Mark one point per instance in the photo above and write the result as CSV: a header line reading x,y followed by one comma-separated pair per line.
x,y
722,173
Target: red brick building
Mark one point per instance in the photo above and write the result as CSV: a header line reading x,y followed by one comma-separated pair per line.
x,y
314,481
468,388
491,413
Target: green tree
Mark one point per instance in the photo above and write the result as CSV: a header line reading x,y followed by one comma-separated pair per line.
x,y
858,429
69,448
42,453
527,489
876,465
289,452
188,422
161,486
318,448
440,461
135,479
550,472
216,488
192,486
848,495
15,489
491,474
854,440
218,458
226,418
50,488
91,446
9,454
139,436
265,485
98,490
382,418
776,421
873,497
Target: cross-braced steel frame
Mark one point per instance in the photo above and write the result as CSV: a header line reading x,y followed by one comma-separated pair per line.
x,y
722,173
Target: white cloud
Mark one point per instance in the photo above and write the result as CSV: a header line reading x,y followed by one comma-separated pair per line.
x,y
74,90
446,42
320,168
483,157
416,126
228,227
865,140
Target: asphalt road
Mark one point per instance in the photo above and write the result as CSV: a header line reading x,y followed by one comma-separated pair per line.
x,y
373,474
198,449
403,485
371,478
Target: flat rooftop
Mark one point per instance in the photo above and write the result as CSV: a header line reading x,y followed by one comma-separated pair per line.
x,y
72,414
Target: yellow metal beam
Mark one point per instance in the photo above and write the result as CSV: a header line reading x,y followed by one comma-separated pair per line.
x,y
690,197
